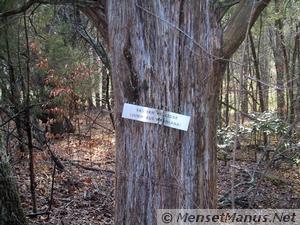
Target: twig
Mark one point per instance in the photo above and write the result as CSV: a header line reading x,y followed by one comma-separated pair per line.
x,y
94,122
88,168
32,215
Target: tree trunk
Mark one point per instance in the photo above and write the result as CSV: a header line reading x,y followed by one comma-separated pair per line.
x,y
10,207
90,100
153,66
219,116
266,77
27,122
257,73
294,71
279,65
97,86
227,96
244,85
106,77
297,70
258,84
105,86
285,60
14,95
166,55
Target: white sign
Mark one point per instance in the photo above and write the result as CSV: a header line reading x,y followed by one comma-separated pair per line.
x,y
150,115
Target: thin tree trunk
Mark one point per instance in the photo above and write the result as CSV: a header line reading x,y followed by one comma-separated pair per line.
x,y
14,95
219,116
257,73
244,85
258,84
293,75
27,123
106,74
264,70
235,86
227,95
280,62
97,96
97,85
254,103
104,85
279,66
297,70
90,100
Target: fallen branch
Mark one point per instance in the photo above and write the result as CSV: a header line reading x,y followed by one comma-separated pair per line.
x,y
32,215
74,163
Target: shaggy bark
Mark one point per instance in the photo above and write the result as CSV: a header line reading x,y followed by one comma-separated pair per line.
x,y
167,55
157,66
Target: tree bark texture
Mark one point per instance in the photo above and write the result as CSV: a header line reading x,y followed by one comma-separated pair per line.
x,y
155,65
166,55
11,212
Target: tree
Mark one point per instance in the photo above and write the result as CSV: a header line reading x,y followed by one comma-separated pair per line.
x,y
176,49
11,212
168,55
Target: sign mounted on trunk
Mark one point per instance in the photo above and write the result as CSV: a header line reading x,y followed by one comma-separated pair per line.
x,y
157,116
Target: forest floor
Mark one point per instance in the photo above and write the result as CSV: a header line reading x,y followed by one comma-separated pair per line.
x,y
83,193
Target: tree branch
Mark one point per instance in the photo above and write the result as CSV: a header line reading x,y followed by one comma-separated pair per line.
x,y
19,10
96,45
28,4
94,9
224,7
245,14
